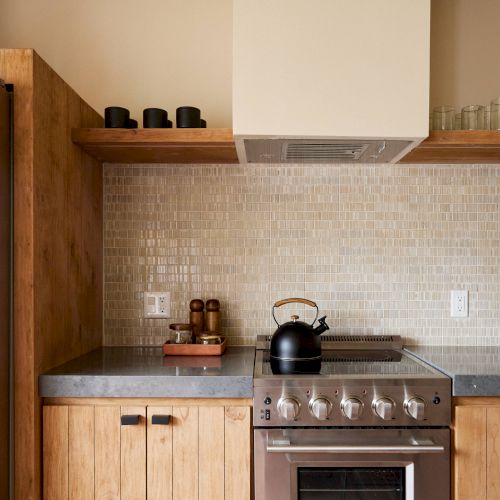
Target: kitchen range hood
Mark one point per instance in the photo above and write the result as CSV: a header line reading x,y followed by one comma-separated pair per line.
x,y
330,81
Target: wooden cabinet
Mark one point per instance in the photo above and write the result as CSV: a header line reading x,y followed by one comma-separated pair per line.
x,y
202,453
476,443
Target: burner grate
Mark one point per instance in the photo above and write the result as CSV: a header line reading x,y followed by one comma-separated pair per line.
x,y
357,338
356,359
347,342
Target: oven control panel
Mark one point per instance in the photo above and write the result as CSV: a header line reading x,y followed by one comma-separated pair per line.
x,y
404,404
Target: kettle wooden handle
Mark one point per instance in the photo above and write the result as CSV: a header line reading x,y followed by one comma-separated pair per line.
x,y
290,301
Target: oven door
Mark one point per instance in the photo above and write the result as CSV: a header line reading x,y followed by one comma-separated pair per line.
x,y
352,464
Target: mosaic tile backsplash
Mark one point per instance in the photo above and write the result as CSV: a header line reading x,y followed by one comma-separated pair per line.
x,y
379,248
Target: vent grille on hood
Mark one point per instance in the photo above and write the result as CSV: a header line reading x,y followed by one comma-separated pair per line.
x,y
314,150
326,151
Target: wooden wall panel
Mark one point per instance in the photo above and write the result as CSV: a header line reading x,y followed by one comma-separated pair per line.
x,y
470,453
493,453
16,66
55,453
133,455
237,453
107,452
159,455
185,446
81,452
211,453
57,243
67,203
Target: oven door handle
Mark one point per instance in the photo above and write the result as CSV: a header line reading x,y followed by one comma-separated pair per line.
x,y
284,446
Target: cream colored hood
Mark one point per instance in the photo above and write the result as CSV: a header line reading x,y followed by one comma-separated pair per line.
x,y
325,81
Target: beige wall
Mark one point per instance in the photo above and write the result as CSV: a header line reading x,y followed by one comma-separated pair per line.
x,y
379,247
465,40
169,53
132,53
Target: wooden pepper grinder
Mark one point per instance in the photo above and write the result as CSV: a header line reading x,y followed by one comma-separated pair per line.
x,y
196,317
212,319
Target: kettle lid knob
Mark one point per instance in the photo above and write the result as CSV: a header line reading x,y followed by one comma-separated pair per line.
x,y
294,317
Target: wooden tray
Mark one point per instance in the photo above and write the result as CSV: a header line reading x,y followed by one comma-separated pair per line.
x,y
194,349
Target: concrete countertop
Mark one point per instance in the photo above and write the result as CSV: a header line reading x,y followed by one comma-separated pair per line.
x,y
475,371
145,372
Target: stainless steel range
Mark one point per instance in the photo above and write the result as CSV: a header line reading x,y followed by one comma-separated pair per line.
x,y
373,424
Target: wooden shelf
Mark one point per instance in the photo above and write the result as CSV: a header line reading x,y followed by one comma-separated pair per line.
x,y
217,146
457,146
198,145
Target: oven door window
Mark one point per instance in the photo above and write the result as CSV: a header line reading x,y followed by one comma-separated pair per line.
x,y
363,483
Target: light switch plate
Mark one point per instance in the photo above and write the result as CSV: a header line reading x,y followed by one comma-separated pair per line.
x,y
157,304
459,303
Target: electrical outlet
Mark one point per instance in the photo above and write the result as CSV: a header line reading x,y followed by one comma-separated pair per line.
x,y
459,304
157,304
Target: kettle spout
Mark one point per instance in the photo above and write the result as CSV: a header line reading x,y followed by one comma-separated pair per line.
x,y
322,327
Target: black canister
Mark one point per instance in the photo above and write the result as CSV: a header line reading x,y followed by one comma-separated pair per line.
x,y
116,117
131,123
154,118
188,117
203,123
168,124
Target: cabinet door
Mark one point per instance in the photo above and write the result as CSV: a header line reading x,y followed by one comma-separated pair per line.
x,y
237,453
470,453
493,453
159,453
185,453
55,453
90,452
107,452
133,454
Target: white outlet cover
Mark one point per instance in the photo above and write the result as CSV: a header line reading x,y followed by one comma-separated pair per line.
x,y
157,305
459,303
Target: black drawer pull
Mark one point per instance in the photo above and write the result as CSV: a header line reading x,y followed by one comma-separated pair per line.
x,y
160,419
130,419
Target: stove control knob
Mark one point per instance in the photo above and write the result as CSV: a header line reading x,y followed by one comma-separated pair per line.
x,y
352,408
288,408
415,407
321,408
383,408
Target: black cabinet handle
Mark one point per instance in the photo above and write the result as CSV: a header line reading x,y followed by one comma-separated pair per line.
x,y
160,419
130,419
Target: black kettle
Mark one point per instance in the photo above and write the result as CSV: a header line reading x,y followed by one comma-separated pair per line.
x,y
295,345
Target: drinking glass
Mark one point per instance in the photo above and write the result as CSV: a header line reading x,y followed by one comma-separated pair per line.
x,y
458,121
487,115
473,117
495,114
443,118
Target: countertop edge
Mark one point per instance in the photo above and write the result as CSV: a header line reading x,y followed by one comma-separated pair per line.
x,y
112,386
464,385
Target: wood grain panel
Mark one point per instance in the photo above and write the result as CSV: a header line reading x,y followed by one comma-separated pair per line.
x,y
51,325
55,453
159,455
158,145
211,453
493,454
476,400
470,453
149,401
133,455
5,218
237,453
68,310
107,452
16,66
185,445
457,146
81,452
